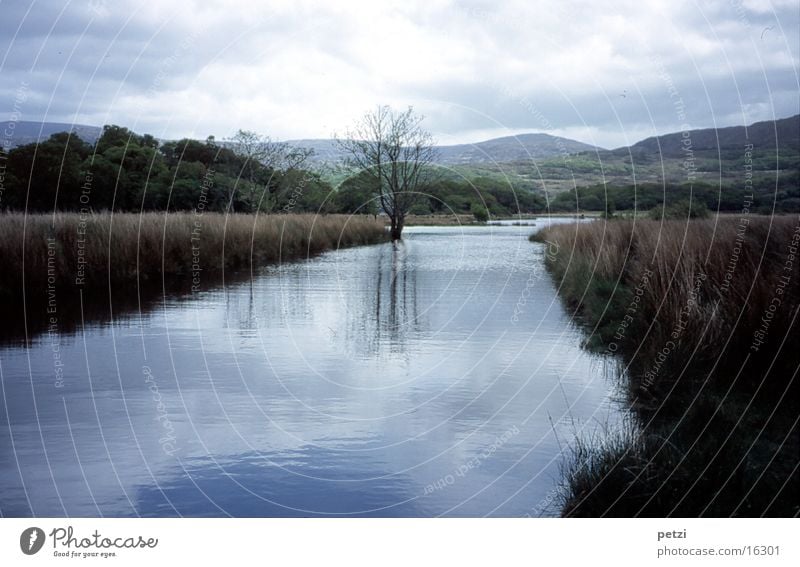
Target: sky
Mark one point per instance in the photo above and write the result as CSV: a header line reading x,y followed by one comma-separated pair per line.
x,y
475,69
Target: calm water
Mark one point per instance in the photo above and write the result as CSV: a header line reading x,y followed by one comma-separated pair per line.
x,y
437,377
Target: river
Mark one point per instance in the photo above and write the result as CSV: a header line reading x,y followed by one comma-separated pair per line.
x,y
437,377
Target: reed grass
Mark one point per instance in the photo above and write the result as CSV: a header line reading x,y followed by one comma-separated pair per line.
x,y
704,314
714,462
68,251
700,288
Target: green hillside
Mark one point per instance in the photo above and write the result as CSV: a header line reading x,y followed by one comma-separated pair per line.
x,y
721,166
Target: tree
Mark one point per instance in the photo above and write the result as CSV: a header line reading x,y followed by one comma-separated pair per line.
x,y
355,195
609,209
124,168
263,158
396,152
46,176
683,209
479,212
252,148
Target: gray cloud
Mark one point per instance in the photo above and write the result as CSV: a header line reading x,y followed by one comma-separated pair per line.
x,y
476,69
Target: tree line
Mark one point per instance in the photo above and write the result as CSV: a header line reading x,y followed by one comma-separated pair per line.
x,y
444,195
765,196
125,171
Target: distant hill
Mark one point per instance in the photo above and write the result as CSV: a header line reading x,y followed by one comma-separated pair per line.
x,y
521,150
762,135
497,150
325,150
511,148
515,154
26,132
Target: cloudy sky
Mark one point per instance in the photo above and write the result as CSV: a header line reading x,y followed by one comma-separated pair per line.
x,y
476,69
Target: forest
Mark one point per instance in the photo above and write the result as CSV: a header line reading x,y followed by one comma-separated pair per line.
x,y
129,172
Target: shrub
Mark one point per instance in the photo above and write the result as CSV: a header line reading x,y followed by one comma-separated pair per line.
x,y
683,209
479,212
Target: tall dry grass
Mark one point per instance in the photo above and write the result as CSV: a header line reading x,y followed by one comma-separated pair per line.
x,y
126,249
700,289
704,316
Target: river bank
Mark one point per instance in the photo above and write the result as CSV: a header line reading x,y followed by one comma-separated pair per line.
x,y
703,315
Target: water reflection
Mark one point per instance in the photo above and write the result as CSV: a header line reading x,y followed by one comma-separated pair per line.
x,y
394,301
384,380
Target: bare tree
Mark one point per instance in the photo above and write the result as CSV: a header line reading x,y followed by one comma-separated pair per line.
x,y
284,160
260,152
394,149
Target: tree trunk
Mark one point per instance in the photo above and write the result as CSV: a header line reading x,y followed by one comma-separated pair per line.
x,y
397,227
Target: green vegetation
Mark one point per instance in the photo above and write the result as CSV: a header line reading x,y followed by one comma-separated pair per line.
x,y
680,210
723,165
394,153
703,314
479,212
125,171
650,196
445,196
357,195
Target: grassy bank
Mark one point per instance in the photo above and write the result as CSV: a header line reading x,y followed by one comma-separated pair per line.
x,y
440,220
704,316
68,252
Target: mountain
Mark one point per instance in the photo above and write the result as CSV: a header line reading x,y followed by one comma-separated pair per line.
x,y
721,157
511,148
525,148
519,150
762,135
497,150
26,132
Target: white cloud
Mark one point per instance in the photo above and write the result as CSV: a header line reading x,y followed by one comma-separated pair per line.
x,y
304,69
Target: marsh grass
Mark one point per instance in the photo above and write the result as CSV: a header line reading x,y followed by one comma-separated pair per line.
x,y
721,459
122,248
704,285
683,302
123,254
